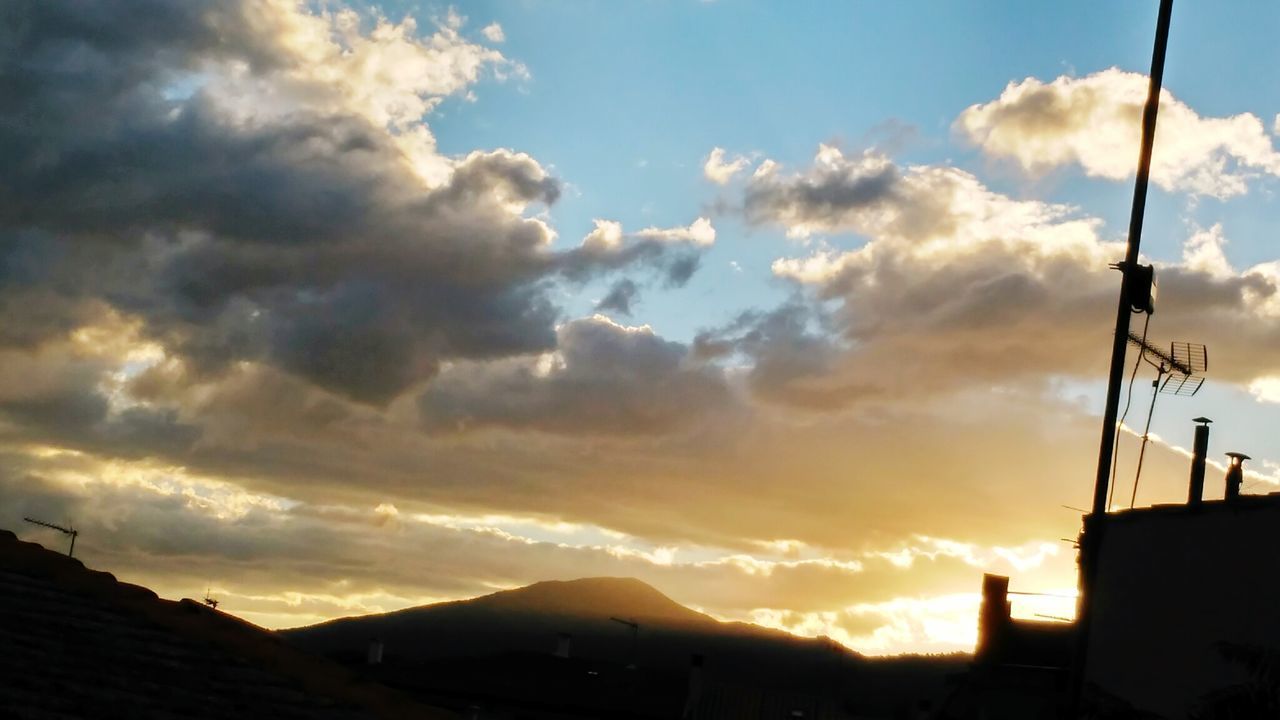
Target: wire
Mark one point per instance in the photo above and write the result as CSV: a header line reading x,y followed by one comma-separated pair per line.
x,y
1146,431
1115,448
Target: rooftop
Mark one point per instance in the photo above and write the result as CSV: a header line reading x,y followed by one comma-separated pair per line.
x,y
1269,501
79,643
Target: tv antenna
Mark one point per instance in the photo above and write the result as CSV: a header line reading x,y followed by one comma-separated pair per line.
x,y
1180,371
64,530
635,639
210,600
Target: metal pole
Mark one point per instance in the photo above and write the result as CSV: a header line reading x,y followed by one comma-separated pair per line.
x,y
1095,523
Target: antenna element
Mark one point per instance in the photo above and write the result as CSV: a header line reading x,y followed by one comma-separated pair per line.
x,y
64,530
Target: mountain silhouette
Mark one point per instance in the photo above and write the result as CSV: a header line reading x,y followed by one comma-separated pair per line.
x,y
528,621
589,597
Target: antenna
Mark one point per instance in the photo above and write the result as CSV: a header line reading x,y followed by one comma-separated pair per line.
x,y
1182,365
635,639
1186,359
1095,522
64,530
210,600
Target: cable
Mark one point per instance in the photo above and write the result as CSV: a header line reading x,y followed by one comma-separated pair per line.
x,y
1115,448
1142,452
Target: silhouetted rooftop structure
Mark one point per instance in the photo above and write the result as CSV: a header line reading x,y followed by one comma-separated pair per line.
x,y
79,644
1185,621
1178,587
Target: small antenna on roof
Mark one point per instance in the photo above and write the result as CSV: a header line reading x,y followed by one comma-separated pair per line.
x,y
1181,370
210,600
635,640
64,530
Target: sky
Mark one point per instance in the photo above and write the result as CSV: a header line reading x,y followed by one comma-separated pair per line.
x,y
799,312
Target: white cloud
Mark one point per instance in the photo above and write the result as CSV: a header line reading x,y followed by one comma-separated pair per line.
x,y
720,172
392,75
607,235
1203,252
699,233
931,212
1095,122
954,275
1266,389
493,33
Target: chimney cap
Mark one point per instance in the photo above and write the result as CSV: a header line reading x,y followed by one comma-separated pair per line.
x,y
1238,456
1203,420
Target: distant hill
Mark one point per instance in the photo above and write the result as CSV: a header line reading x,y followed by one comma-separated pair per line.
x,y
600,597
528,620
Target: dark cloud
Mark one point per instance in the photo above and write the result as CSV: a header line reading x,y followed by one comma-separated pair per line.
x,y
825,197
603,378
831,195
673,263
681,268
793,353
303,237
620,298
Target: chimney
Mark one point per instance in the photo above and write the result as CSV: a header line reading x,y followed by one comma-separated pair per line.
x,y
564,642
375,652
1235,475
1199,451
993,618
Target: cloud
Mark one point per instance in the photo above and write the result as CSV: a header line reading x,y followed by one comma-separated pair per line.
x,y
835,194
272,195
673,253
493,33
699,233
1095,122
620,298
928,362
788,348
920,625
715,169
286,563
247,308
957,284
602,378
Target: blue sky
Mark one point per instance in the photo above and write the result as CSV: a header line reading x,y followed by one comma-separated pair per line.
x,y
626,99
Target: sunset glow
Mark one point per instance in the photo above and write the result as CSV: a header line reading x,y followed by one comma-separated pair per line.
x,y
338,308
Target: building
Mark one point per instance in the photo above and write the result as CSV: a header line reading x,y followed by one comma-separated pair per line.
x,y
1187,599
1185,618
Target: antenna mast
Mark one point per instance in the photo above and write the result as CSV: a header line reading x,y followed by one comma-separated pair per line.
x,y
64,530
1095,522
635,640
